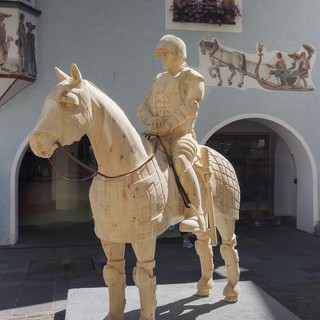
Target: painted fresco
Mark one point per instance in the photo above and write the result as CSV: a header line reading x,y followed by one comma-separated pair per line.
x,y
17,43
272,71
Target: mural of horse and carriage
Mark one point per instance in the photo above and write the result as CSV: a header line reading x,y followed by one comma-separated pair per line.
x,y
274,71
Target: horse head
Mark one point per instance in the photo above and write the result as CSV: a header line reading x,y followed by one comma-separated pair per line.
x,y
66,115
210,46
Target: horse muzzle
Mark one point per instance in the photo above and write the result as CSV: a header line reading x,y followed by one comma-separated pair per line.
x,y
42,143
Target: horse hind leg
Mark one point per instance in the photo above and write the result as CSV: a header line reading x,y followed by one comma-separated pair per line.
x,y
204,251
241,82
230,256
144,278
115,278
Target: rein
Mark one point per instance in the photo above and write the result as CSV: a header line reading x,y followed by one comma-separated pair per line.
x,y
96,172
182,191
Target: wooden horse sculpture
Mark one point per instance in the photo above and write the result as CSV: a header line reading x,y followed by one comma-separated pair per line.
x,y
135,198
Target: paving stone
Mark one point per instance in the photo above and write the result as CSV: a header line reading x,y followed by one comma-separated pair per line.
x,y
181,303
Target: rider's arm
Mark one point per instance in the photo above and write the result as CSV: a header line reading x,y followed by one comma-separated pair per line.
x,y
193,91
143,113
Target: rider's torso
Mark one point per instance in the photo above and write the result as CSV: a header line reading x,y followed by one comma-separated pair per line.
x,y
165,97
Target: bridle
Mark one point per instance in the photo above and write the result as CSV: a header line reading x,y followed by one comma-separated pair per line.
x,y
95,172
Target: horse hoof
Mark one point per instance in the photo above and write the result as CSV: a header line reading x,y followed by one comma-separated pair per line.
x,y
204,287
203,293
220,84
240,85
230,83
231,299
231,292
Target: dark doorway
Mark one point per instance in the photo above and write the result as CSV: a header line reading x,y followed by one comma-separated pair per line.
x,y
251,157
41,217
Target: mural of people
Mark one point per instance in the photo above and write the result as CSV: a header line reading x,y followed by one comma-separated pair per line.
x,y
30,52
4,41
291,74
280,67
304,65
21,42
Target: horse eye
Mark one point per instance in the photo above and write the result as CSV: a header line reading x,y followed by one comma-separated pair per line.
x,y
69,100
68,105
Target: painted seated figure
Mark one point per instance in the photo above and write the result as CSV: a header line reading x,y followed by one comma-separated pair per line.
x,y
170,111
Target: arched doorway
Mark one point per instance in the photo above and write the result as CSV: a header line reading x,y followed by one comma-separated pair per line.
x,y
303,168
49,207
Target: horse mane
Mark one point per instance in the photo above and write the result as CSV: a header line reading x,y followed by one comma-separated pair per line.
x,y
111,110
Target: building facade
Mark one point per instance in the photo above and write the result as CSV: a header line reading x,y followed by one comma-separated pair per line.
x,y
266,125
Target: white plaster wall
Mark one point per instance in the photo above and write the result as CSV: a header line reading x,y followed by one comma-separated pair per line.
x,y
113,44
284,176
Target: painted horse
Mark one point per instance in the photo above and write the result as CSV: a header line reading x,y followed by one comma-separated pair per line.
x,y
220,57
135,198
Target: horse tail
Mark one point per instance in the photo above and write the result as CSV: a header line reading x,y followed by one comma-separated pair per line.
x,y
244,64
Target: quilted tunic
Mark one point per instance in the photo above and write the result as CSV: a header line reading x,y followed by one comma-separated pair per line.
x,y
131,208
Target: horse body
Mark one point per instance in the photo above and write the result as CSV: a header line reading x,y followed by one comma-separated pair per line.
x,y
134,208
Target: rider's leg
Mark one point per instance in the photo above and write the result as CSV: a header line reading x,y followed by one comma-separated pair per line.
x,y
115,278
194,220
144,278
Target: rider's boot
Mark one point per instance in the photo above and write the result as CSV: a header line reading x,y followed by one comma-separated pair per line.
x,y
231,258
193,217
146,283
115,278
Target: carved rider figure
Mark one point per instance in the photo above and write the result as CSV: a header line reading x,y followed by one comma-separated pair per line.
x,y
170,111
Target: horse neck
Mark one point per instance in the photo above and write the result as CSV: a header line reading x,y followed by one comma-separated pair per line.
x,y
117,145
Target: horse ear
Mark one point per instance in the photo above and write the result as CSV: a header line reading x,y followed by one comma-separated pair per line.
x,y
75,73
61,75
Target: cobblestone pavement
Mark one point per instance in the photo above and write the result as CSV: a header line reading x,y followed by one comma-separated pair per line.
x,y
280,260
302,299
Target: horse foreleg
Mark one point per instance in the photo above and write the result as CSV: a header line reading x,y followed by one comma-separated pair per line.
x,y
204,251
144,278
115,278
211,72
233,73
230,256
219,76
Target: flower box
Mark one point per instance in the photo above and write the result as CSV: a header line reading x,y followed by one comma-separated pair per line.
x,y
205,11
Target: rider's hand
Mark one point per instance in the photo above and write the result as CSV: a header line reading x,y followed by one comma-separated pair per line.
x,y
156,122
160,130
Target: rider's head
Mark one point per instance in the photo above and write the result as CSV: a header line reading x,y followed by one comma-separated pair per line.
x,y
172,50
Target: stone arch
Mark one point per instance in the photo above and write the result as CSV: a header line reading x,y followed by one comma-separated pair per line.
x,y
14,177
307,187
